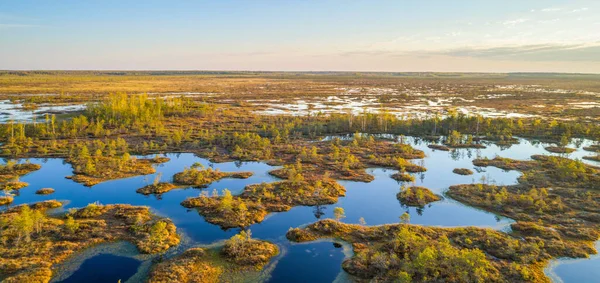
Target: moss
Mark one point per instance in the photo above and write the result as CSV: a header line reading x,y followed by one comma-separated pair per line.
x,y
4,200
416,196
566,231
466,145
592,158
403,177
198,177
159,188
439,147
59,237
13,185
240,259
399,251
505,163
462,171
109,168
245,251
559,149
44,191
47,204
191,266
11,170
592,148
256,201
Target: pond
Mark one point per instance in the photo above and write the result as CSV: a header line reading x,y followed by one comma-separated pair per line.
x,y
375,202
17,113
104,268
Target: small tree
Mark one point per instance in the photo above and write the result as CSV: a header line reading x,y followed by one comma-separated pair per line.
x,y
362,221
23,224
227,200
158,232
405,218
339,213
70,225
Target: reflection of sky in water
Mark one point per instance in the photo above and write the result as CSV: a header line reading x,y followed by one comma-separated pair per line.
x,y
15,112
312,262
375,201
575,270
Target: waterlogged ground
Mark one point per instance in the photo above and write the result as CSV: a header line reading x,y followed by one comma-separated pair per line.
x,y
16,112
314,262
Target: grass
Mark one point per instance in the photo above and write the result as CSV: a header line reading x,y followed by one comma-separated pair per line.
x,y
256,201
397,252
462,171
242,261
416,196
157,189
44,191
52,239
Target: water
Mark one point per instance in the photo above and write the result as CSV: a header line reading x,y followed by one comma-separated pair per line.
x,y
14,111
105,268
575,270
375,202
314,262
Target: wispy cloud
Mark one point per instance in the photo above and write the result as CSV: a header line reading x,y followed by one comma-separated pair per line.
x,y
551,52
551,9
538,52
512,23
8,26
579,10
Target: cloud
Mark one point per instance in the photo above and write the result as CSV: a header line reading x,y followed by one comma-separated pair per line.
x,y
579,10
537,52
8,26
512,23
551,9
551,52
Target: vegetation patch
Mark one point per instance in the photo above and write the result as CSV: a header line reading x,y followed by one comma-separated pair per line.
x,y
32,241
462,171
158,188
592,158
200,177
411,253
44,191
97,169
240,259
559,149
403,177
10,173
416,196
256,201
593,148
5,200
439,147
241,249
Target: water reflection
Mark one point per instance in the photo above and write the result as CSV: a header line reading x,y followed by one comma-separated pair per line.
x,y
374,203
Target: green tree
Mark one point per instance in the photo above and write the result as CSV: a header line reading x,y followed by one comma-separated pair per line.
x,y
339,213
227,200
405,218
71,226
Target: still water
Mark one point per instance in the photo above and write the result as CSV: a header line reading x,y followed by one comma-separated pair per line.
x,y
375,202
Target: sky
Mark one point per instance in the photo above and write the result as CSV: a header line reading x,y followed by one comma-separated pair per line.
x,y
302,35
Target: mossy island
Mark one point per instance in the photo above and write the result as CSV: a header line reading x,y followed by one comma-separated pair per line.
x,y
416,196
462,171
240,258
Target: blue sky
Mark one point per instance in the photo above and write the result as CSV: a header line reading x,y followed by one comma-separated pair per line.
x,y
490,36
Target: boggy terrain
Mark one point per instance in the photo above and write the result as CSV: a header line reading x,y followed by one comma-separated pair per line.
x,y
33,241
556,200
411,253
256,201
294,121
241,258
